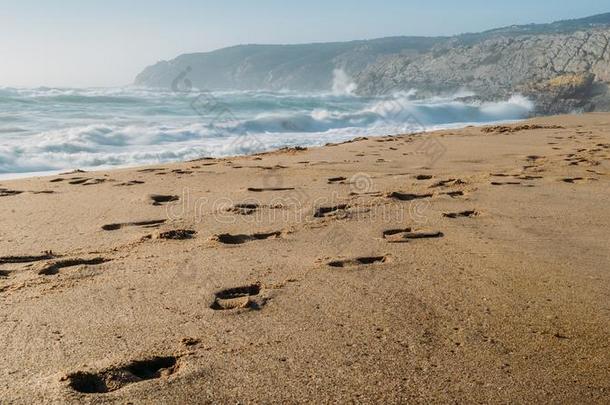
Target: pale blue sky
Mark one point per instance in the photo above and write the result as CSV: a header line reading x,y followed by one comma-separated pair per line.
x,y
106,43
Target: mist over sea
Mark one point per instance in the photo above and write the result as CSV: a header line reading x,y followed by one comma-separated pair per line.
x,y
52,129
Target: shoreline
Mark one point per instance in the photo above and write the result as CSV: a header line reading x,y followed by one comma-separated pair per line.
x,y
459,265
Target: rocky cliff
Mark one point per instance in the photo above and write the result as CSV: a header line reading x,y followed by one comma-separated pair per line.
x,y
561,72
563,66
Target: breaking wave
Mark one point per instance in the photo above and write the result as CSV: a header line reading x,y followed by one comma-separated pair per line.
x,y
47,129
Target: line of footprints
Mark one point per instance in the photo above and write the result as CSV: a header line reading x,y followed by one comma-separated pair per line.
x,y
237,299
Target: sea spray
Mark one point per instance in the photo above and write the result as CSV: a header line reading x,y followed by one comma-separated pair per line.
x,y
342,83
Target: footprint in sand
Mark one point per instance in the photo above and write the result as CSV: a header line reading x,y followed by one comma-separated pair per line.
x,y
78,180
43,192
453,194
144,224
52,268
4,192
358,261
576,160
174,234
27,259
276,167
160,199
462,214
407,234
247,208
573,180
152,170
528,177
246,297
240,239
113,379
334,180
85,181
92,182
180,171
130,183
334,210
396,195
448,182
261,190
505,183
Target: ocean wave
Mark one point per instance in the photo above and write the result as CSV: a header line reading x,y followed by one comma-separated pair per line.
x,y
88,128
401,113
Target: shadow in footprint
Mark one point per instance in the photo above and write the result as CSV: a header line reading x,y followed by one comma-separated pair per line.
x,y
4,192
334,180
407,196
462,214
53,268
180,171
159,199
359,261
78,180
260,190
130,183
572,180
151,170
92,182
144,224
322,212
407,234
238,298
86,181
26,259
244,208
448,182
174,234
240,239
116,378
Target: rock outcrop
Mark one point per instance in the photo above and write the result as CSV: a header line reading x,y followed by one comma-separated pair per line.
x,y
561,72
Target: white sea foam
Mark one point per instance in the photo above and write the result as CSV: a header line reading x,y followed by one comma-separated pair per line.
x,y
57,129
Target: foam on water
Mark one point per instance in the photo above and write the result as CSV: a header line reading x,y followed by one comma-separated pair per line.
x,y
48,129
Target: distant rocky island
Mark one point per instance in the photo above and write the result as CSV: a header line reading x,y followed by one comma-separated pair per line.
x,y
563,66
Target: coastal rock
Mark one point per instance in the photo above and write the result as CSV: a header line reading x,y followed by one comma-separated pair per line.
x,y
560,72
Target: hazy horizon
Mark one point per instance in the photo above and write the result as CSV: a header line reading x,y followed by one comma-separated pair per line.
x,y
108,44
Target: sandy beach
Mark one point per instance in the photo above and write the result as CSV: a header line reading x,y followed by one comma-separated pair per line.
x,y
456,266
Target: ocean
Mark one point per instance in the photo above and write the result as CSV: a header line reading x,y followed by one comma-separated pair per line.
x,y
45,130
